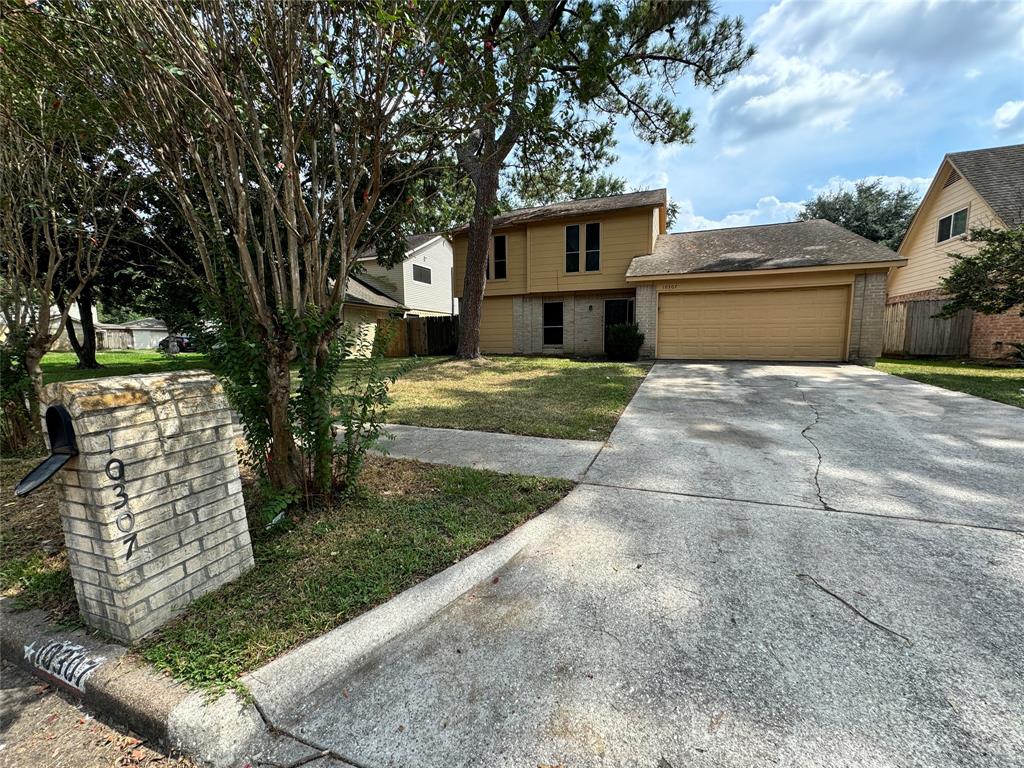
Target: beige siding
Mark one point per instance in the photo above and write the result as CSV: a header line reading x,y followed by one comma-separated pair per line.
x,y
496,326
390,280
928,261
781,324
363,320
536,255
623,237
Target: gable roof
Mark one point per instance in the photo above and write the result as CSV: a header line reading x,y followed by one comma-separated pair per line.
x,y
814,243
997,174
360,291
573,208
412,242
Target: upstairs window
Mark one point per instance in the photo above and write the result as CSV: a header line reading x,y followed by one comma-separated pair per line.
x,y
572,248
953,225
553,324
500,258
593,262
421,274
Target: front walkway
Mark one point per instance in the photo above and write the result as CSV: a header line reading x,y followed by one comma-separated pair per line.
x,y
510,454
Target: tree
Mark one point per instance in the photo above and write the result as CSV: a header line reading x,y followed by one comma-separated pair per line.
x,y
63,194
871,210
286,135
990,280
544,83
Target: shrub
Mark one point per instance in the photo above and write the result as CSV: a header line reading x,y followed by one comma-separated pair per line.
x,y
623,342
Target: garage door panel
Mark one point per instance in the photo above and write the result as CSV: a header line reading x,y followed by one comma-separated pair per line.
x,y
784,324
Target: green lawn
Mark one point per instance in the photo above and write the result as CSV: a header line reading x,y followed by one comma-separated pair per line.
x,y
545,396
1001,383
410,521
60,366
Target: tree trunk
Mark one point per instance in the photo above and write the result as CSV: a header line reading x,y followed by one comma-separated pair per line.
x,y
322,449
475,279
284,465
87,350
33,357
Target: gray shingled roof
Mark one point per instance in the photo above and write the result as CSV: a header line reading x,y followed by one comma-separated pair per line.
x,y
998,176
572,208
815,243
360,291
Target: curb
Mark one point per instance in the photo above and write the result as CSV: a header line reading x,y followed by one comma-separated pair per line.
x,y
289,686
222,733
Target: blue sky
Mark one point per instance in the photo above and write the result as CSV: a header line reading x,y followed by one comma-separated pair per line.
x,y
839,91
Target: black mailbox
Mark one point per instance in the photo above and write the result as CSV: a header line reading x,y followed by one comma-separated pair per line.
x,y
62,448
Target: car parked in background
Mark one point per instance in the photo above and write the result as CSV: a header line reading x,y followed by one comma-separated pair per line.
x,y
184,344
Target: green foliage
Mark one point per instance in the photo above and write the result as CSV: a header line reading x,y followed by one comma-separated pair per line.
x,y
623,342
870,210
361,400
990,280
18,430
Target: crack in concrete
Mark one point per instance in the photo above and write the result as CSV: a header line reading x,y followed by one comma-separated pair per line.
x,y
319,750
804,434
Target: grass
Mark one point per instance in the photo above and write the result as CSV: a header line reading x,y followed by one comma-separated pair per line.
x,y
410,521
60,366
544,396
1001,383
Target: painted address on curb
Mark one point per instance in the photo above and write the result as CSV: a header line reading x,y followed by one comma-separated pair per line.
x,y
63,661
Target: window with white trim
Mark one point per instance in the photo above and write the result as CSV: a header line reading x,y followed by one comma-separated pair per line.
x,y
421,274
953,225
553,329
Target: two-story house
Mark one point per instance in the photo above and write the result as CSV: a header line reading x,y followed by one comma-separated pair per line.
x,y
980,188
559,275
422,282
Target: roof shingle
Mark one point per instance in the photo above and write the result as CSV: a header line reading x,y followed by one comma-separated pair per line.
x,y
997,174
815,243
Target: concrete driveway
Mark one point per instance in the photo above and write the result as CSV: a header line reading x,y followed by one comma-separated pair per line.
x,y
767,564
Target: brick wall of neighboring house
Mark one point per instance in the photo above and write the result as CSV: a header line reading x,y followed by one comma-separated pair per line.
x,y
987,330
647,317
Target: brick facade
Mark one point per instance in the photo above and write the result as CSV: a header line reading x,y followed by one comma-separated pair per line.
x,y
152,506
990,334
582,323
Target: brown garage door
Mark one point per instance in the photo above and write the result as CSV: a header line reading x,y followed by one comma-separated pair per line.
x,y
496,326
789,324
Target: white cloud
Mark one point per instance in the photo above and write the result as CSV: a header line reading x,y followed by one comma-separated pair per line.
x,y
837,183
1009,118
769,210
821,65
789,91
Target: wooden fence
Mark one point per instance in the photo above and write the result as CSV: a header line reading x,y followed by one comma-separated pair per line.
x,y
910,328
423,336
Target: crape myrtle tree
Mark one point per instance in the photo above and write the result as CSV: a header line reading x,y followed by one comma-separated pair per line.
x,y
64,190
991,279
286,134
544,82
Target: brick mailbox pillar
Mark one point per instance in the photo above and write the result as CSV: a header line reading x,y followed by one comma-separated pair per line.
x,y
152,505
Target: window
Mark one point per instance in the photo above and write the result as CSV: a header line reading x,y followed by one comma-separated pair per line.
x,y
552,323
572,248
500,258
593,247
953,225
421,274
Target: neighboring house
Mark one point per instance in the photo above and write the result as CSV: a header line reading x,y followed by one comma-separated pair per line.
x,y
423,281
144,333
981,188
366,306
558,275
